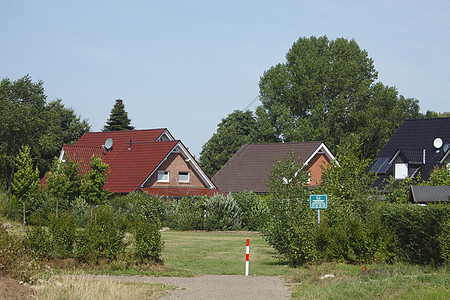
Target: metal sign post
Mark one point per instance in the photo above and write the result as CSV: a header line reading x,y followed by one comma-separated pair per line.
x,y
318,202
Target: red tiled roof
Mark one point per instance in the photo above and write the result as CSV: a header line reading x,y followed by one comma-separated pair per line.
x,y
181,191
82,156
130,164
121,139
130,167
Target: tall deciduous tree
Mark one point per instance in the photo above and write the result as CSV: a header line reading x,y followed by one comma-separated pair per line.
x,y
26,119
236,129
326,90
118,119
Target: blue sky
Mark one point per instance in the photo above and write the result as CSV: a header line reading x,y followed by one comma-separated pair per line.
x,y
185,65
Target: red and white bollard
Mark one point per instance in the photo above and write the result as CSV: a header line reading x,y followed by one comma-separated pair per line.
x,y
247,254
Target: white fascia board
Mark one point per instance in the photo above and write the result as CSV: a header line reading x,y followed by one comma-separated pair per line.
x,y
445,157
61,155
157,167
167,134
190,160
397,153
327,153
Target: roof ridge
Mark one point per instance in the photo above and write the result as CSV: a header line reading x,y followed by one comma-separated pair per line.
x,y
431,118
114,131
148,142
280,143
82,146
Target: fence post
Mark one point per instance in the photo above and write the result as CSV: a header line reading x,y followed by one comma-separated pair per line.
x,y
247,254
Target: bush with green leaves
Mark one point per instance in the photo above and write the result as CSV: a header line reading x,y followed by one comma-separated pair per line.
x,y
81,211
444,240
15,260
139,206
418,230
63,231
292,226
186,213
222,213
254,210
353,232
397,191
39,241
103,237
147,241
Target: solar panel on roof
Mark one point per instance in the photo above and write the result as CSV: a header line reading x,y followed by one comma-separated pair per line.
x,y
381,165
384,167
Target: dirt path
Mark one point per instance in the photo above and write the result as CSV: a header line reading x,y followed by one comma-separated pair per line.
x,y
215,286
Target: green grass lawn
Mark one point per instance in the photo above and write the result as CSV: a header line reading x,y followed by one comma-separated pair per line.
x,y
195,253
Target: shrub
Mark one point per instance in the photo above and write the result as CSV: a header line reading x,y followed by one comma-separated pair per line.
x,y
222,213
418,229
38,241
444,241
4,202
148,243
15,261
63,231
81,211
137,206
292,226
254,210
186,213
102,238
352,232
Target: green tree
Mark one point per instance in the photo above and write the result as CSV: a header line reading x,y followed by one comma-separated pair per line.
x,y
237,129
291,227
26,179
439,176
28,120
346,178
118,119
63,127
92,184
433,114
21,105
326,90
63,182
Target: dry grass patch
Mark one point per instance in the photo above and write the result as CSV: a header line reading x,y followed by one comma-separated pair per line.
x,y
86,288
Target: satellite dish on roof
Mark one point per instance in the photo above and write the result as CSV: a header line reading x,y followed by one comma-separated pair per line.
x,y
437,143
108,144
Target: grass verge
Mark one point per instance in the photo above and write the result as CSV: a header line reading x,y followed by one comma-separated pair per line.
x,y
71,288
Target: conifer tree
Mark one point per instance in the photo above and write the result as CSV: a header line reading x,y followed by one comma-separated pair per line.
x,y
118,119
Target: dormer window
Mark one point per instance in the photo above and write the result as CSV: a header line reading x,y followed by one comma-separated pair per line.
x,y
401,170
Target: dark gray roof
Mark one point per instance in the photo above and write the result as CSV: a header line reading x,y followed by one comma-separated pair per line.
x,y
413,141
429,194
248,168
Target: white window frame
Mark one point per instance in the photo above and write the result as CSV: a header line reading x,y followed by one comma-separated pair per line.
x,y
401,170
188,177
163,176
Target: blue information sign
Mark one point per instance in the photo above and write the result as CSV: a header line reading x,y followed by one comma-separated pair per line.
x,y
318,201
